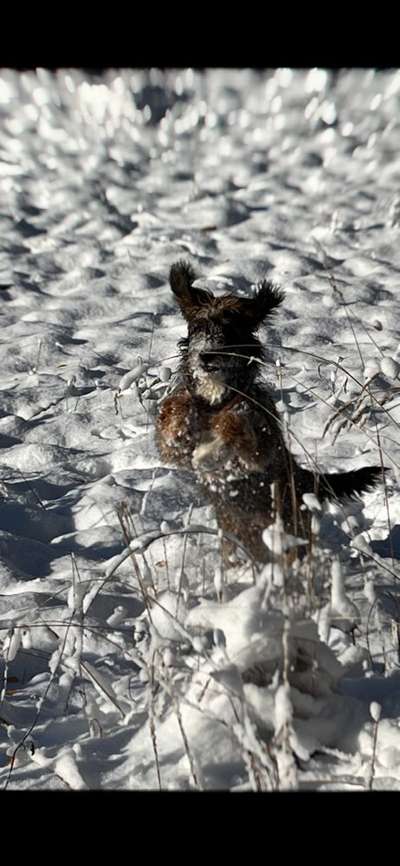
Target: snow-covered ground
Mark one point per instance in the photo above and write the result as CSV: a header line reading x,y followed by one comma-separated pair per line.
x,y
156,668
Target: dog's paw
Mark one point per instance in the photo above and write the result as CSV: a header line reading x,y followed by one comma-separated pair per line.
x,y
208,456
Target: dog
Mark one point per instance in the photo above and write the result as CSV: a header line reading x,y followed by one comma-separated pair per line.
x,y
222,423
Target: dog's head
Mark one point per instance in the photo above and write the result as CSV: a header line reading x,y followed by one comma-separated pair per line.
x,y
221,333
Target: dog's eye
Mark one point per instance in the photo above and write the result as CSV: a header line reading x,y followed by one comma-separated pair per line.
x,y
195,329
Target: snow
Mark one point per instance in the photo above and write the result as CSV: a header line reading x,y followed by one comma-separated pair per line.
x,y
130,657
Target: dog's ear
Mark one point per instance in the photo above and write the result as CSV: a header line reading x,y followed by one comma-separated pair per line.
x,y
264,302
181,279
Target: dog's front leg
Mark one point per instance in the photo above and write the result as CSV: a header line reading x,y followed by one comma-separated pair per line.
x,y
230,446
175,428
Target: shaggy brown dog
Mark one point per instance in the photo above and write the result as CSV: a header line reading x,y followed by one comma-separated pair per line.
x,y
223,425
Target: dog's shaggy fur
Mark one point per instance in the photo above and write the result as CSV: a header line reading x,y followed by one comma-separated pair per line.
x,y
222,424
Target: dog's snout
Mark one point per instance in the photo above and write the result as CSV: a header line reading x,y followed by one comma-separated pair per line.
x,y
210,360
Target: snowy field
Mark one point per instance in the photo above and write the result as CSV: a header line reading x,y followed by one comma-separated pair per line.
x,y
154,667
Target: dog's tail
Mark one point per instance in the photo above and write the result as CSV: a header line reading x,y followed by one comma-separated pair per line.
x,y
350,484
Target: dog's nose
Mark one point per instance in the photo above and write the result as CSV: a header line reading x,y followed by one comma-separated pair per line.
x,y
210,360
